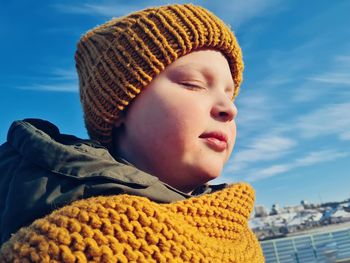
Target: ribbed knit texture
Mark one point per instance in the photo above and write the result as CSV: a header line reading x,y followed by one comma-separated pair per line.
x,y
124,228
116,60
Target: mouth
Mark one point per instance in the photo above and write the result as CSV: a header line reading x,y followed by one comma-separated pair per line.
x,y
215,140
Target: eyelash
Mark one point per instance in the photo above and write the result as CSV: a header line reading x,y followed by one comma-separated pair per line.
x,y
191,86
197,87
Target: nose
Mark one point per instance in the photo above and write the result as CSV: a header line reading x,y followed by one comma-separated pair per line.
x,y
224,110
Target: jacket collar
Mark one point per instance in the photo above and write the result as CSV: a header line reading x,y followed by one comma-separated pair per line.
x,y
42,143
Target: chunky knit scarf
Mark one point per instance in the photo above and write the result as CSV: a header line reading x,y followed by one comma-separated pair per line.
x,y
125,228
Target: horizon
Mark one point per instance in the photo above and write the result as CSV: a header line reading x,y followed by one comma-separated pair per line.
x,y
316,203
293,127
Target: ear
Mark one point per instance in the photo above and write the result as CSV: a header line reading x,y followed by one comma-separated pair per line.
x,y
117,131
120,120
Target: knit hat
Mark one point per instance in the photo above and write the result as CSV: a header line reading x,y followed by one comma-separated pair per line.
x,y
117,60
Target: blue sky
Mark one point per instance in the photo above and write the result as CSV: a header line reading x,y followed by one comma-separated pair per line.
x,y
293,124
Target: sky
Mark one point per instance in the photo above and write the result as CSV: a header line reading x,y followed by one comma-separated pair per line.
x,y
293,124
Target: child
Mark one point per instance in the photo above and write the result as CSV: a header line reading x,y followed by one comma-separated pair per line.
x,y
156,88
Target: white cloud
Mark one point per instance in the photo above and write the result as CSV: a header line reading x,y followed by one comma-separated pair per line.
x,y
64,74
332,119
335,79
235,12
308,91
309,159
320,156
345,135
265,148
98,9
268,172
253,110
283,71
332,78
65,87
58,80
343,58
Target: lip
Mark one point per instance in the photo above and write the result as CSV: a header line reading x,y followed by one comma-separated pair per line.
x,y
215,140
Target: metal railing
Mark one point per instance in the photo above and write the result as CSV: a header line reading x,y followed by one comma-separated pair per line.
x,y
333,246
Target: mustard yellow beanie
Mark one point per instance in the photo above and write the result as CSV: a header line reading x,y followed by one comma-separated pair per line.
x,y
116,60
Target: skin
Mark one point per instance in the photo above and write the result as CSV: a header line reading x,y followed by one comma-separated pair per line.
x,y
160,134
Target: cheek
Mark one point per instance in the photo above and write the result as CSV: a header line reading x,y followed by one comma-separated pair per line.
x,y
168,123
175,125
162,127
179,115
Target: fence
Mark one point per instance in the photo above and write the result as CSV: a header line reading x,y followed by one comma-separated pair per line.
x,y
312,248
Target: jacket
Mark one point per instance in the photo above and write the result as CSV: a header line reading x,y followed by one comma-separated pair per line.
x,y
42,170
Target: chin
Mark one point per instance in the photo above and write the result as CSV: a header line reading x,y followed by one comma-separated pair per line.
x,y
199,176
210,174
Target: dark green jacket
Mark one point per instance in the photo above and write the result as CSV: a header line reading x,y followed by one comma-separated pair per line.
x,y
42,170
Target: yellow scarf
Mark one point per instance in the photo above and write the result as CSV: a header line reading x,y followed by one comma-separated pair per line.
x,y
125,228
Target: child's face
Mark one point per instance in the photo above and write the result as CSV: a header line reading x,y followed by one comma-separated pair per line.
x,y
181,128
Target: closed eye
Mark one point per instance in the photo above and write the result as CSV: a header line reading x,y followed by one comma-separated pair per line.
x,y
191,85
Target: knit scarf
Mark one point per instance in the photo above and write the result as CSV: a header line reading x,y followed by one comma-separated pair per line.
x,y
126,228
